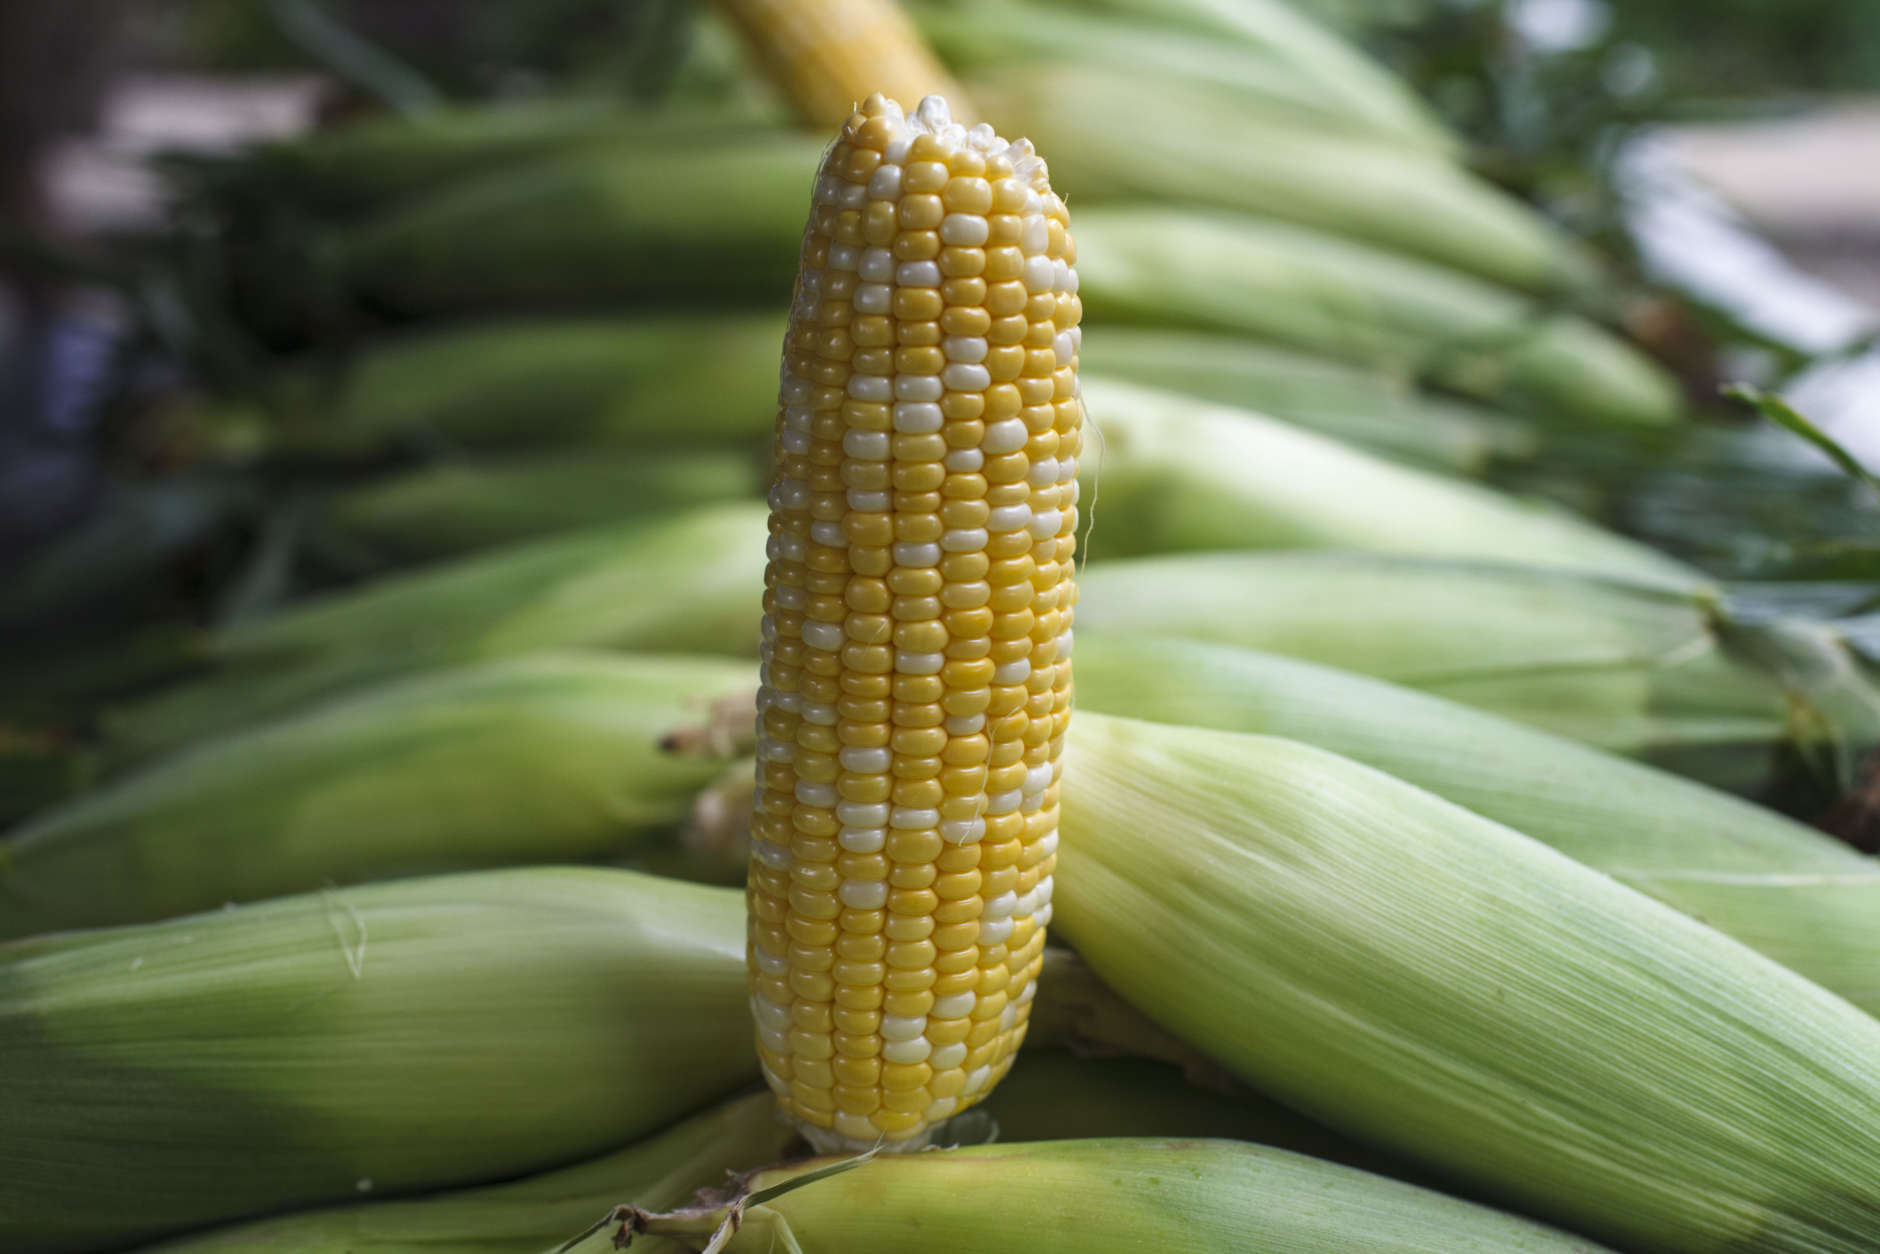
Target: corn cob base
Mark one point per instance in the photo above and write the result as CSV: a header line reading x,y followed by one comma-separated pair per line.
x,y
916,639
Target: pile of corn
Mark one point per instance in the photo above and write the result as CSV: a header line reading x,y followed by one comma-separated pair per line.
x,y
679,777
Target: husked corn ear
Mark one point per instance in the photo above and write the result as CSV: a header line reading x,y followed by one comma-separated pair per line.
x,y
916,672
825,55
1098,1196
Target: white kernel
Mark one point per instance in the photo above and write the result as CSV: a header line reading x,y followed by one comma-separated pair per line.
x,y
776,857
906,554
1035,235
769,1014
793,547
775,750
866,446
914,273
918,387
877,265
1038,778
1067,470
847,257
885,183
940,1108
863,894
962,831
966,230
947,1057
970,725
1063,347
964,540
822,796
959,376
913,819
917,417
793,391
871,387
789,494
954,1006
1026,994
1038,275
1034,203
854,195
828,189
967,348
896,152
790,702
790,597
863,761
1046,844
861,813
869,502
818,713
1043,472
909,663
854,1127
1009,518
798,418
1043,917
874,298
1003,802
775,1041
912,1051
824,636
862,839
1033,802
902,1027
965,460
1046,524
1007,435
1008,1017
796,442
1016,671
995,931
1063,278
1041,893
769,963
828,534
977,1079
1001,907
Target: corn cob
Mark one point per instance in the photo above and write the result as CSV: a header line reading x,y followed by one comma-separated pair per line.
x,y
455,506
1122,137
1102,1196
1804,899
977,38
390,1037
922,528
658,223
545,758
1293,286
584,590
671,378
527,1215
1179,474
1431,982
825,56
1632,669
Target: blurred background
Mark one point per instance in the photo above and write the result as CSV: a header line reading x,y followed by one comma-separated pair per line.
x,y
302,295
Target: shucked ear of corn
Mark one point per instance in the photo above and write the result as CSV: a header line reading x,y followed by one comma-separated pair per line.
x,y
1173,473
673,378
1802,898
1430,981
1097,1196
678,583
454,506
1127,137
1309,289
550,758
386,1038
526,1215
1633,669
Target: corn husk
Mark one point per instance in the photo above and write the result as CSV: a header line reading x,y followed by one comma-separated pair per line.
x,y
679,583
1432,982
523,1217
547,758
1637,670
1171,473
1130,138
1277,282
388,1038
672,378
696,222
451,507
1800,897
1373,409
1102,1196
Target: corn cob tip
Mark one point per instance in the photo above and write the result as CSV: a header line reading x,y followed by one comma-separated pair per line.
x,y
916,633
